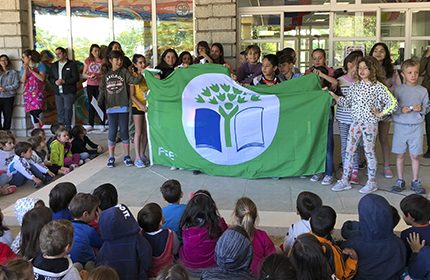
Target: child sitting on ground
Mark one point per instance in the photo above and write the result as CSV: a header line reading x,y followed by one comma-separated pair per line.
x,y
53,129
416,213
39,132
103,273
23,168
306,203
83,208
164,242
80,142
5,232
59,200
344,261
419,264
277,267
121,235
61,155
201,226
172,213
53,262
19,269
107,195
246,214
7,152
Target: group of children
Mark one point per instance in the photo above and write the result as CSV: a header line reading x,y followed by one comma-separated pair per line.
x,y
83,234
40,160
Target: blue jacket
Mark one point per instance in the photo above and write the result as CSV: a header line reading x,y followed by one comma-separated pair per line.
x,y
172,214
419,266
85,238
381,254
124,249
62,215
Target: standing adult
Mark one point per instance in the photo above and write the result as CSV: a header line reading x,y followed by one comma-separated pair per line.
x,y
425,72
9,83
33,75
64,75
93,72
381,52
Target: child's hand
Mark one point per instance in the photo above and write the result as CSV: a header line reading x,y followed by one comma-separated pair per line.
x,y
405,110
157,76
417,108
351,253
47,163
37,181
414,242
377,113
50,173
99,149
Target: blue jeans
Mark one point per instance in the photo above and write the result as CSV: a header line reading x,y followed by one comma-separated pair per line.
x,y
329,166
64,104
18,179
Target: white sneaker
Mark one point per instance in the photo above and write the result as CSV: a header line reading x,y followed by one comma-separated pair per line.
x,y
173,168
316,177
327,180
341,185
369,188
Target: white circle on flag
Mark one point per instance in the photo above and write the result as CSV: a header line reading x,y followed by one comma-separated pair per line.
x,y
225,123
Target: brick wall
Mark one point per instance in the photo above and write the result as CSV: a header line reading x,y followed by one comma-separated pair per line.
x,y
14,38
216,22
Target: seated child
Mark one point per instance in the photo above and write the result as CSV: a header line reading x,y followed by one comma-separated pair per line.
x,y
107,195
83,208
19,269
419,264
80,142
7,152
172,213
61,154
59,200
164,242
53,262
322,224
23,168
382,255
22,206
268,69
233,254
306,203
176,271
245,214
54,128
121,235
201,226
41,152
6,254
277,267
5,232
103,272
416,213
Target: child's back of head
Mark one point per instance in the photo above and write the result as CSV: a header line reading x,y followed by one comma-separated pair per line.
x,y
417,207
61,195
277,267
103,272
246,214
174,272
56,238
107,194
150,217
201,211
38,132
171,191
32,224
323,221
307,202
18,269
81,203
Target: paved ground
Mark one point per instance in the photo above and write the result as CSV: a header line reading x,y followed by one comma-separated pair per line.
x,y
275,199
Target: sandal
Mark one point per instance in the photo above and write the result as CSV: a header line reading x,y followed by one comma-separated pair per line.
x,y
8,190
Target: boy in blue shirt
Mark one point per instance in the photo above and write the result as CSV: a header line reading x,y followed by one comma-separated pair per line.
x,y
83,208
408,133
172,213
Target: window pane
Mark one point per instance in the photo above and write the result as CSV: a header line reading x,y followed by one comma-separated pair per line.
x,y
48,35
420,23
419,47
260,27
132,27
393,24
397,51
266,48
355,24
90,25
258,3
341,49
175,25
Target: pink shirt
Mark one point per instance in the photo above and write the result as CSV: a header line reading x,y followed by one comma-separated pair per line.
x,y
94,67
263,247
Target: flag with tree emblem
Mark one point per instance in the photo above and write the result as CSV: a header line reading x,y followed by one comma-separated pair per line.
x,y
200,119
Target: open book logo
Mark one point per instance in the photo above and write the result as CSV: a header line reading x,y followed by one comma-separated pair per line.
x,y
225,122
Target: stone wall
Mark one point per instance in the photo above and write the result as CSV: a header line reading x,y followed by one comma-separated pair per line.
x,y
215,21
14,38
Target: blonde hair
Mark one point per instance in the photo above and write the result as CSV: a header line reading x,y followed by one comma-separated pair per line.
x,y
246,214
103,273
410,63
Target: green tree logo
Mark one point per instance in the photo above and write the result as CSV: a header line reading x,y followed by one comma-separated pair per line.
x,y
228,98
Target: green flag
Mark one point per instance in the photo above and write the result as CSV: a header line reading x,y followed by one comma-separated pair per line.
x,y
200,119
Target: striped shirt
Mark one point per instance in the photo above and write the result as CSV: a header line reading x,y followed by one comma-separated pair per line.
x,y
343,114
